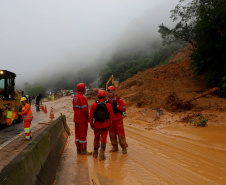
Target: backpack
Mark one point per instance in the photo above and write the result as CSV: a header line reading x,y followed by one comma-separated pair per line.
x,y
101,112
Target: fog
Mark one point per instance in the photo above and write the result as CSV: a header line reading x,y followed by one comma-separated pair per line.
x,y
40,39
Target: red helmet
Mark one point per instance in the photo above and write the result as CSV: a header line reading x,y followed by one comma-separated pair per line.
x,y
101,93
111,88
81,87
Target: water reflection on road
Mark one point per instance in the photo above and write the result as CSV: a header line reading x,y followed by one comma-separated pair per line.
x,y
153,158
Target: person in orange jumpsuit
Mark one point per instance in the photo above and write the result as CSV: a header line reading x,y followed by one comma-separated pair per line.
x,y
81,119
117,128
27,115
100,119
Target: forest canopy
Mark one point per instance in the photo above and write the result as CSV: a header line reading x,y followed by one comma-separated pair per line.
x,y
127,63
202,23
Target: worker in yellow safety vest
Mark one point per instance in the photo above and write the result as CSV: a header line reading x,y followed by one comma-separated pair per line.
x,y
27,115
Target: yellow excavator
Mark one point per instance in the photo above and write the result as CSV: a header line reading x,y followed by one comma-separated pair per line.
x,y
9,98
113,82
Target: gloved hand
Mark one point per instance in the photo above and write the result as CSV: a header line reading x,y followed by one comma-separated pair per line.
x,y
114,103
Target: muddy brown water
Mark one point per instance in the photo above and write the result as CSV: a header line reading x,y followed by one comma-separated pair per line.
x,y
171,155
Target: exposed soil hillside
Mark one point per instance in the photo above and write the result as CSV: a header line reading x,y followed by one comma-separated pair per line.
x,y
167,87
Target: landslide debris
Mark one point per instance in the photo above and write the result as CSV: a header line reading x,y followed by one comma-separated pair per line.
x,y
168,87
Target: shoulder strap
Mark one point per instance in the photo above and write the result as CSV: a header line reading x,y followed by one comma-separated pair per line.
x,y
104,102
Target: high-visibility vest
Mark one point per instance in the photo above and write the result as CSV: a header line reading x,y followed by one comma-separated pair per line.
x,y
10,117
28,116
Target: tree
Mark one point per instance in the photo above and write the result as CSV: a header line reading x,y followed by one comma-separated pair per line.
x,y
183,32
126,65
34,90
203,25
210,36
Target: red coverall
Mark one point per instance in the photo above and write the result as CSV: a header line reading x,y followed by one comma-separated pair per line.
x,y
81,118
27,115
117,123
100,128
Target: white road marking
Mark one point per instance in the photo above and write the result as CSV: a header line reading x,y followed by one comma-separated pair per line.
x,y
9,141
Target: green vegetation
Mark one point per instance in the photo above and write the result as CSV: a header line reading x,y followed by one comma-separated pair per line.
x,y
199,121
126,64
202,24
69,79
183,32
34,90
210,56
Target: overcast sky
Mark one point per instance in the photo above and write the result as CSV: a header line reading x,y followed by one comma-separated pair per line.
x,y
36,35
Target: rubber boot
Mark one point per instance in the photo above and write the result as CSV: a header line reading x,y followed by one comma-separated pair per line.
x,y
95,153
124,150
114,148
86,152
78,149
102,150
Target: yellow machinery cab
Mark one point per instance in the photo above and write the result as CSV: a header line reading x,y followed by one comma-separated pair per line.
x,y
9,98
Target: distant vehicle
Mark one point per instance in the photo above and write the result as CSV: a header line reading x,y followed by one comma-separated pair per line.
x,y
9,98
66,92
72,95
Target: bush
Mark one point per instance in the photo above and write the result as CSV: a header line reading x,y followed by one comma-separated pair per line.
x,y
199,121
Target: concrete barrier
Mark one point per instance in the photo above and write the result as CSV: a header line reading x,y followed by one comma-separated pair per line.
x,y
38,162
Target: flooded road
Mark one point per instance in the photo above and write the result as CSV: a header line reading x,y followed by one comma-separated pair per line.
x,y
154,157
169,154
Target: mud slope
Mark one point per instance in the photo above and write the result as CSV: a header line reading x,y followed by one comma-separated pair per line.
x,y
167,87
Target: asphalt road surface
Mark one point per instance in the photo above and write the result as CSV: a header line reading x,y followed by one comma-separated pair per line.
x,y
8,132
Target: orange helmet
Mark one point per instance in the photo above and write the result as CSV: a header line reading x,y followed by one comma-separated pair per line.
x,y
101,93
111,88
81,87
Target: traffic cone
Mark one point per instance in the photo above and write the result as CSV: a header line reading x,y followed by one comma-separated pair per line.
x,y
45,110
41,107
51,113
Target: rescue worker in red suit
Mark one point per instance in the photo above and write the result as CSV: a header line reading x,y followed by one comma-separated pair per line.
x,y
27,115
81,118
116,132
100,125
